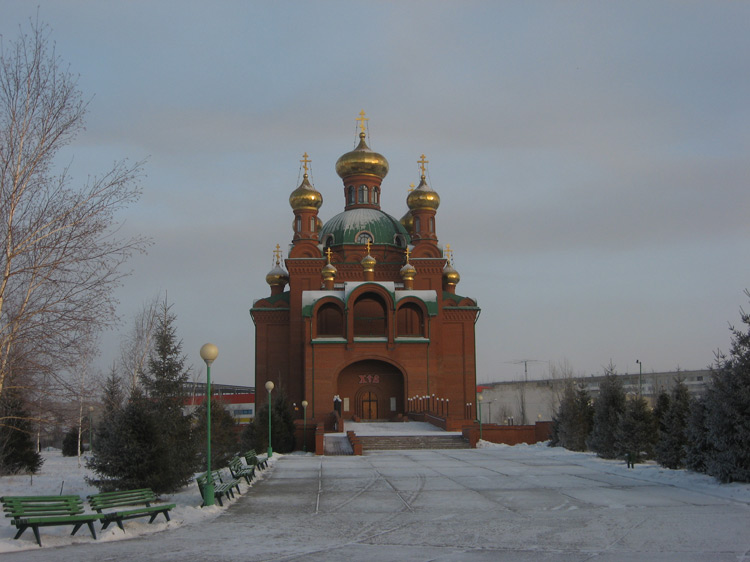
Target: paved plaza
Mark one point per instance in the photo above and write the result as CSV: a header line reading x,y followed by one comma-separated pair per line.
x,y
503,503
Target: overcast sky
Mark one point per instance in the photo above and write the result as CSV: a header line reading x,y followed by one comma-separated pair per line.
x,y
592,159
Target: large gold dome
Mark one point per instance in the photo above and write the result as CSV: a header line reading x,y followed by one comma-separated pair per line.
x,y
424,197
362,161
305,196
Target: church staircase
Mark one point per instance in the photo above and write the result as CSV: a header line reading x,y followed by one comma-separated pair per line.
x,y
406,442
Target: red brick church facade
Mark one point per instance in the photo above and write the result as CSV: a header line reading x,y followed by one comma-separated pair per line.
x,y
365,310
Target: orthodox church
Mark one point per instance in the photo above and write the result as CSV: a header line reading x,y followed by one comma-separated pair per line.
x,y
363,315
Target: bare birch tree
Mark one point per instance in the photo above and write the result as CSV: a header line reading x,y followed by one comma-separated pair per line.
x,y
61,253
137,344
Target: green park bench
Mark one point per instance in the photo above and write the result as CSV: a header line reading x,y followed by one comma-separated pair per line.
x,y
113,500
222,489
48,511
239,470
253,459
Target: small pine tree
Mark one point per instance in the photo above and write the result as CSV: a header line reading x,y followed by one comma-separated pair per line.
x,y
698,448
660,410
282,426
17,450
671,446
70,443
150,442
636,430
224,436
572,423
608,408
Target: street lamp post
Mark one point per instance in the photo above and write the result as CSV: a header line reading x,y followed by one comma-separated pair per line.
x,y
480,399
304,426
269,388
209,352
640,374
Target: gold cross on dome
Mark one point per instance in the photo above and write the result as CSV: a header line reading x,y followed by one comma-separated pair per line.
x,y
368,247
277,253
305,161
449,253
422,161
408,252
328,255
411,187
362,120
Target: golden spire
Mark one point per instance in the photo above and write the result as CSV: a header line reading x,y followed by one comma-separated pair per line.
x,y
408,253
277,254
423,164
328,255
449,254
362,121
305,161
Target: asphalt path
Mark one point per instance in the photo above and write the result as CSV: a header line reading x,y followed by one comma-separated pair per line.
x,y
490,504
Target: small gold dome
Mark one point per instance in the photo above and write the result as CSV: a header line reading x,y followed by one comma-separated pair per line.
x,y
408,272
305,196
368,263
329,272
424,197
277,276
450,275
362,160
407,221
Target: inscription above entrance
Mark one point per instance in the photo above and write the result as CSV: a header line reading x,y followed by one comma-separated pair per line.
x,y
369,379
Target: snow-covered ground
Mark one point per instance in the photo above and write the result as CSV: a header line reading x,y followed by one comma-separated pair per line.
x,y
63,476
527,502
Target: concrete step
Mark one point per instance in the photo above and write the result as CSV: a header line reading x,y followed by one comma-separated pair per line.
x,y
406,442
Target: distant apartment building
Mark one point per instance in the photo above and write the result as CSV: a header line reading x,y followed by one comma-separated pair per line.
x,y
239,400
525,402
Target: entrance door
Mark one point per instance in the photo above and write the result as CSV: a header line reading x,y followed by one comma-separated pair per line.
x,y
369,406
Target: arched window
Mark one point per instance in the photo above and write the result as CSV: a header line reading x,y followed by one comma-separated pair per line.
x,y
399,240
312,224
362,194
369,316
432,224
409,321
298,224
364,237
330,321
416,225
375,196
350,194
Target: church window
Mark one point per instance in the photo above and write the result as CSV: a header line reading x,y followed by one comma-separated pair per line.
x,y
364,238
416,224
298,224
375,196
369,316
399,240
409,321
312,224
330,321
350,194
328,241
432,224
362,194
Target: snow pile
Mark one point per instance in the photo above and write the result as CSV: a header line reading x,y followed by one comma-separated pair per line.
x,y
62,476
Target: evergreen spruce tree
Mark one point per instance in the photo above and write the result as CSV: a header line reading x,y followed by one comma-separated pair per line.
x,y
282,426
150,443
608,408
636,430
727,419
574,418
70,443
224,435
660,410
698,448
671,446
17,450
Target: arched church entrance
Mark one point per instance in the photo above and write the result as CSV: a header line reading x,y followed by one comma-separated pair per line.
x,y
371,390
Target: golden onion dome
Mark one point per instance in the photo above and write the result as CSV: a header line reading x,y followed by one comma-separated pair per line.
x,y
277,276
423,197
450,275
363,161
329,272
408,272
407,221
368,263
305,196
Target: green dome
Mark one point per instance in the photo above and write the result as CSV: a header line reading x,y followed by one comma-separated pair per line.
x,y
346,227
